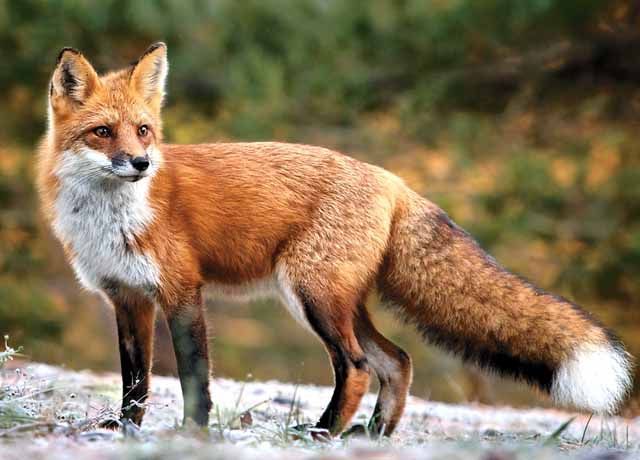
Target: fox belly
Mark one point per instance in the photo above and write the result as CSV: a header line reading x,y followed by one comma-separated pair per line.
x,y
276,286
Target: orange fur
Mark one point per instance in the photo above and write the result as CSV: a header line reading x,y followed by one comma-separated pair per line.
x,y
327,228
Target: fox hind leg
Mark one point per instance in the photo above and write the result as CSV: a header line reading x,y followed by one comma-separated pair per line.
x,y
393,367
333,324
329,268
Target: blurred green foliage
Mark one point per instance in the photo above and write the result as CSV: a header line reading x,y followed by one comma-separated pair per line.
x,y
270,63
518,117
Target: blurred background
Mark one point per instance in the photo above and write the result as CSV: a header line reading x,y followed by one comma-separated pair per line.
x,y
518,117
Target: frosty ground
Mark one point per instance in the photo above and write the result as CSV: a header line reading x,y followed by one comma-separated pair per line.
x,y
50,412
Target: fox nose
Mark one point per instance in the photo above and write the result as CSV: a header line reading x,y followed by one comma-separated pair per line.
x,y
140,163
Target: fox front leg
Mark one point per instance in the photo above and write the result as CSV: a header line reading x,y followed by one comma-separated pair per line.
x,y
135,317
189,335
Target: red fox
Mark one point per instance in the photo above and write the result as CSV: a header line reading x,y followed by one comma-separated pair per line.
x,y
150,224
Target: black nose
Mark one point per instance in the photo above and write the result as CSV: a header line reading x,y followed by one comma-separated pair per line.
x,y
140,163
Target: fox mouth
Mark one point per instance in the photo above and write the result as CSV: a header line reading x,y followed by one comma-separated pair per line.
x,y
131,169
131,177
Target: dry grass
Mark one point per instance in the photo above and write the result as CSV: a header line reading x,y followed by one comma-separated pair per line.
x,y
49,412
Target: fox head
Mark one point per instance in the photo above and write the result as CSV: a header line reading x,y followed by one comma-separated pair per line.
x,y
108,126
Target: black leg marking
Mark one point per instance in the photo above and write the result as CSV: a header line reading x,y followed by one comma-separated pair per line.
x,y
135,320
188,331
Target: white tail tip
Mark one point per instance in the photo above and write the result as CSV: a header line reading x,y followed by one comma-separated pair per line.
x,y
596,377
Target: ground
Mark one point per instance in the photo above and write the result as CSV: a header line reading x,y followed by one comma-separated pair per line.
x,y
50,412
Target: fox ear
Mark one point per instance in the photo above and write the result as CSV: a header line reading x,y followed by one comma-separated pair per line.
x,y
150,73
73,80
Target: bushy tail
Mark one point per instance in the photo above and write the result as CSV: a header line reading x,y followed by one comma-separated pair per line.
x,y
462,299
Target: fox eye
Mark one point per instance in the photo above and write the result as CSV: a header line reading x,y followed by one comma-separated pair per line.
x,y
102,131
143,130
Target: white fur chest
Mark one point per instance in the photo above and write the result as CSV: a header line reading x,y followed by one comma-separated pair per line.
x,y
98,220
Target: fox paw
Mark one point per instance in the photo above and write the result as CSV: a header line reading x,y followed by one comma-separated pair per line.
x,y
356,431
128,427
318,434
110,424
